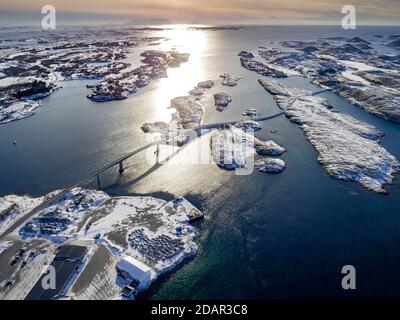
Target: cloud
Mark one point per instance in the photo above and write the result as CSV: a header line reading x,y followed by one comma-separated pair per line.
x,y
259,10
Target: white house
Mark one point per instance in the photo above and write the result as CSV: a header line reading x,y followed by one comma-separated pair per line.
x,y
132,268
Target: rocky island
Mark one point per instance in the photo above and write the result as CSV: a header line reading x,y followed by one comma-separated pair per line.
x,y
347,148
233,145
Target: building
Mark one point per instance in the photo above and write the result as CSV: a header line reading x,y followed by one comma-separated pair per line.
x,y
66,264
132,269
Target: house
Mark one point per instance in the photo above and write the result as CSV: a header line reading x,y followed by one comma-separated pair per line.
x,y
130,268
66,267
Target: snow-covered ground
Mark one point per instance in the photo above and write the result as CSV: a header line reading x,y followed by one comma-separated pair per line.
x,y
59,220
352,68
153,231
18,110
14,207
135,225
4,245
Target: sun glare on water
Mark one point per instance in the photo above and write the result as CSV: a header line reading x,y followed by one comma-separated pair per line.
x,y
184,78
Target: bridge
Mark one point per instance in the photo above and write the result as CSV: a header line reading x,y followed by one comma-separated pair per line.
x,y
189,133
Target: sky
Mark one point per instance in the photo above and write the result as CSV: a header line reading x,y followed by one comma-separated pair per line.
x,y
213,11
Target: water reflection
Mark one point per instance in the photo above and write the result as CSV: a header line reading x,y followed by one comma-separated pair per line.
x,y
183,79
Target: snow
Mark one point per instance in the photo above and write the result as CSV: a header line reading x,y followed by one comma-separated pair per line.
x,y
365,76
348,149
59,220
17,111
152,218
152,231
5,82
351,76
268,148
27,277
359,66
231,146
13,207
270,165
4,245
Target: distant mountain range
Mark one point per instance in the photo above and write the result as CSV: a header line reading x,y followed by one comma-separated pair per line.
x,y
149,21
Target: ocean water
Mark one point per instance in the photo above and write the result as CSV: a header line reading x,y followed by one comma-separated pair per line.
x,y
264,236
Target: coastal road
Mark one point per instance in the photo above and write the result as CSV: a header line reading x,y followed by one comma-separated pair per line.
x,y
189,134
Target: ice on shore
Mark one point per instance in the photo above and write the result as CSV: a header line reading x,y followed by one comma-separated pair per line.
x,y
348,149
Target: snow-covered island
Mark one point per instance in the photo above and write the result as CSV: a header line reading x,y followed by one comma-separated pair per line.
x,y
189,111
155,233
348,149
119,86
233,146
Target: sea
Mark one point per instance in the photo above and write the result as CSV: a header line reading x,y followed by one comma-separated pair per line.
x,y
264,236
